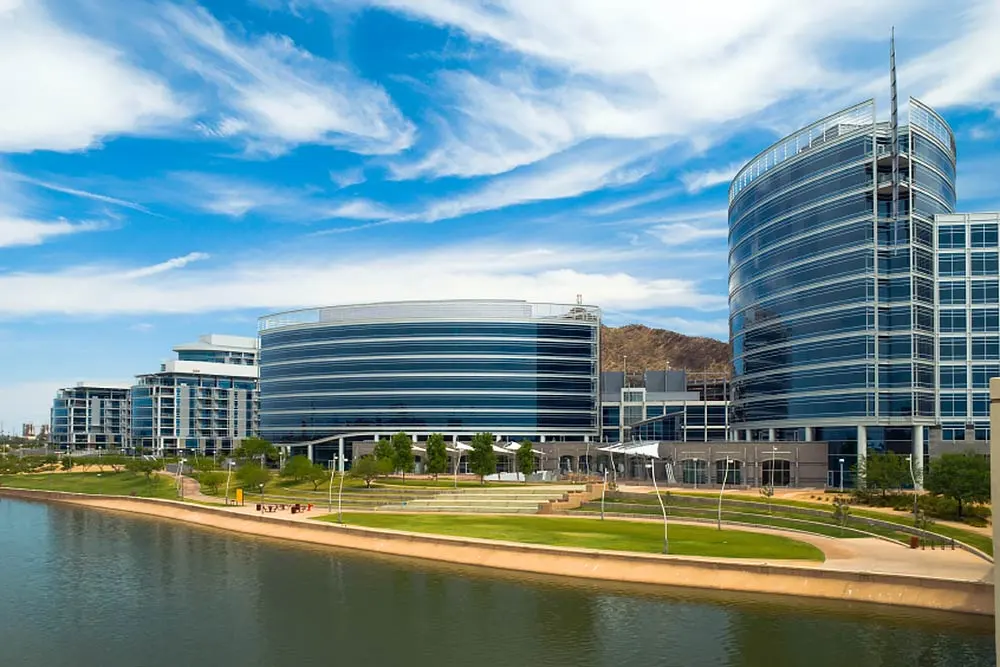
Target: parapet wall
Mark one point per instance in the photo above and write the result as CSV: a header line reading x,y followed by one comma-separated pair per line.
x,y
973,597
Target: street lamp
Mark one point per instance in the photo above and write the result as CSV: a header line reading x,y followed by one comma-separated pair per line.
x,y
841,475
329,500
725,476
666,540
913,477
603,489
261,487
180,471
229,465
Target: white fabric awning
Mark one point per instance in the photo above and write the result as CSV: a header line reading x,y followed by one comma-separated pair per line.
x,y
513,447
637,448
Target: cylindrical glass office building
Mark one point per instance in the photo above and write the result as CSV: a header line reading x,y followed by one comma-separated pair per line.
x,y
832,286
512,368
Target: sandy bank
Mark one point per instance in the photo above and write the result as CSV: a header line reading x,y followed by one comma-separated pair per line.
x,y
719,574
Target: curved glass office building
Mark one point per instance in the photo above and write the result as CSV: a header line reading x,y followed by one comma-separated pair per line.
x,y
833,283
512,368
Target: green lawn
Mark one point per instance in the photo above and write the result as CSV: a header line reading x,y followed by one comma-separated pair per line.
x,y
120,484
592,534
977,540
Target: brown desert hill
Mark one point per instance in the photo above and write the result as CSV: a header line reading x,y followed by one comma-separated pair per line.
x,y
652,349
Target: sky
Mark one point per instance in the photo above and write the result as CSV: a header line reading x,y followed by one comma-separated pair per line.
x,y
170,169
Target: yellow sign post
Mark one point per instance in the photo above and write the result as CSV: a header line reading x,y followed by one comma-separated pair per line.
x,y
239,497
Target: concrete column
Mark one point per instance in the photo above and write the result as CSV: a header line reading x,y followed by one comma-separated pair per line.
x,y
771,435
995,480
746,434
810,434
309,452
340,455
862,447
918,455
542,438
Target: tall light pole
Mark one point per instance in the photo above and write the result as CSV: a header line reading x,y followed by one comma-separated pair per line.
x,y
229,465
340,499
329,500
663,508
725,476
180,484
603,489
261,487
914,478
841,475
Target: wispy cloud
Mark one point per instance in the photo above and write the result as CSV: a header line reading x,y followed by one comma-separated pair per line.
x,y
552,273
75,192
65,91
23,232
345,178
695,182
681,233
277,95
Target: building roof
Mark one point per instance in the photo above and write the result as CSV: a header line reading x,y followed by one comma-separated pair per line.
x,y
220,343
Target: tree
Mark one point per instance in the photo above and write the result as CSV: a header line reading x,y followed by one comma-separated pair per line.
x,y
145,466
369,468
317,475
482,458
384,451
883,471
964,478
437,454
67,463
525,459
841,512
297,468
204,464
212,479
255,448
402,453
251,477
116,461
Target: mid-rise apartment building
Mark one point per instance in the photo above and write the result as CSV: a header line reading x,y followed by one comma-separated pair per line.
x,y
91,416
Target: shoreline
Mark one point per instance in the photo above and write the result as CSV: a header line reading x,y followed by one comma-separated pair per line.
x,y
759,577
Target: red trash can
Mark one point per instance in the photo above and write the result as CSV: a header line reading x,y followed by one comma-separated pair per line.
x,y
914,541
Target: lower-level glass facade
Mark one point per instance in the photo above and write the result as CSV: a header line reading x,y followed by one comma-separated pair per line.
x,y
511,368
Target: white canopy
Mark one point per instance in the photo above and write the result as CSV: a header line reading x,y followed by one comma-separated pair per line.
x,y
513,447
635,448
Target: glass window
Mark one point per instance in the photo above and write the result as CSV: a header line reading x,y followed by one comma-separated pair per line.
x,y
950,236
953,349
951,264
923,261
984,235
981,375
984,264
954,405
952,293
985,291
985,349
953,377
952,321
986,320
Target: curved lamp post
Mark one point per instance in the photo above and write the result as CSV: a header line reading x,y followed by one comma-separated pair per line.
x,y
725,476
666,538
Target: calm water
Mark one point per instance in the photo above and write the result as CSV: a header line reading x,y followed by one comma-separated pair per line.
x,y
81,587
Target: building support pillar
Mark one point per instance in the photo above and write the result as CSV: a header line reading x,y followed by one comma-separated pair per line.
x,y
810,434
340,455
771,436
918,456
310,450
746,435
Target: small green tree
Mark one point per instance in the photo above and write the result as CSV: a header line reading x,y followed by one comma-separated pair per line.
x,y
317,475
437,455
767,492
402,453
525,459
482,458
964,478
370,468
204,464
883,471
67,463
145,467
211,480
384,452
841,512
297,468
251,477
116,462
254,448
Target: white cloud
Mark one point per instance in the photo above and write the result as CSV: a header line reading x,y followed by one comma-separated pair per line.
x,y
56,187
680,233
469,271
630,69
163,267
345,178
966,70
278,95
22,232
64,91
142,327
695,182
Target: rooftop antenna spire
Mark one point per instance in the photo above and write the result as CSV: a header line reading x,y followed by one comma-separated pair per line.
x,y
894,127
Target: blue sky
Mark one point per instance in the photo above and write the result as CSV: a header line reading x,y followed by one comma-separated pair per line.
x,y
169,169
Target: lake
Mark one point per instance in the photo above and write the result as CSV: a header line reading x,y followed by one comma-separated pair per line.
x,y
83,587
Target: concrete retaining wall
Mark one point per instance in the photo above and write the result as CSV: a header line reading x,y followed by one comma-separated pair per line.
x,y
902,590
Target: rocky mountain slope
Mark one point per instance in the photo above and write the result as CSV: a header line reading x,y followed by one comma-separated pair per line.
x,y
652,349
